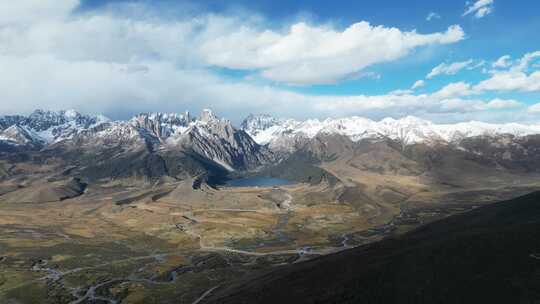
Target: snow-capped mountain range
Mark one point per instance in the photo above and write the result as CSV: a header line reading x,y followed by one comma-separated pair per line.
x,y
45,127
277,133
210,137
157,144
49,127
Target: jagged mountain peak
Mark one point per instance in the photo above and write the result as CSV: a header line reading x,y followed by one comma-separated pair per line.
x,y
171,127
162,125
207,115
214,140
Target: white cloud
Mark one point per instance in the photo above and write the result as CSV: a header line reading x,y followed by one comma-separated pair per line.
x,y
525,61
480,64
120,89
535,108
513,75
449,101
483,11
497,104
456,89
449,68
29,11
465,106
104,62
422,105
301,54
432,15
511,81
317,54
480,8
502,62
124,88
401,92
418,84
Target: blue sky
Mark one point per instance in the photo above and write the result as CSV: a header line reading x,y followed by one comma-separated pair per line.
x,y
299,59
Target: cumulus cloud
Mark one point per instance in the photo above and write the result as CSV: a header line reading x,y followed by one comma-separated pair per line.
x,y
448,100
479,8
497,104
449,68
502,62
514,76
125,89
30,11
478,105
479,64
120,90
456,89
401,92
418,84
101,61
525,61
301,54
308,54
422,105
511,81
535,108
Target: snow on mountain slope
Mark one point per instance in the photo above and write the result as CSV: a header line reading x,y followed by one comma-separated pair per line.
x,y
408,130
217,140
210,137
46,127
17,135
162,125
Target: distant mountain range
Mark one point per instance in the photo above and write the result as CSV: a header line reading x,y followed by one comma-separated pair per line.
x,y
277,133
147,145
43,128
152,145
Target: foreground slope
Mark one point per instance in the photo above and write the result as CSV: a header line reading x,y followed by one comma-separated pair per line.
x,y
488,255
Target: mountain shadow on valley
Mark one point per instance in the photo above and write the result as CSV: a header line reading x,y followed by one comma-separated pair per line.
x,y
488,255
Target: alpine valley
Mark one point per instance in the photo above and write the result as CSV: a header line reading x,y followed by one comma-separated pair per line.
x,y
142,211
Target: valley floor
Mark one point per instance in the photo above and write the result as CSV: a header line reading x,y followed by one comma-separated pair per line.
x,y
170,243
